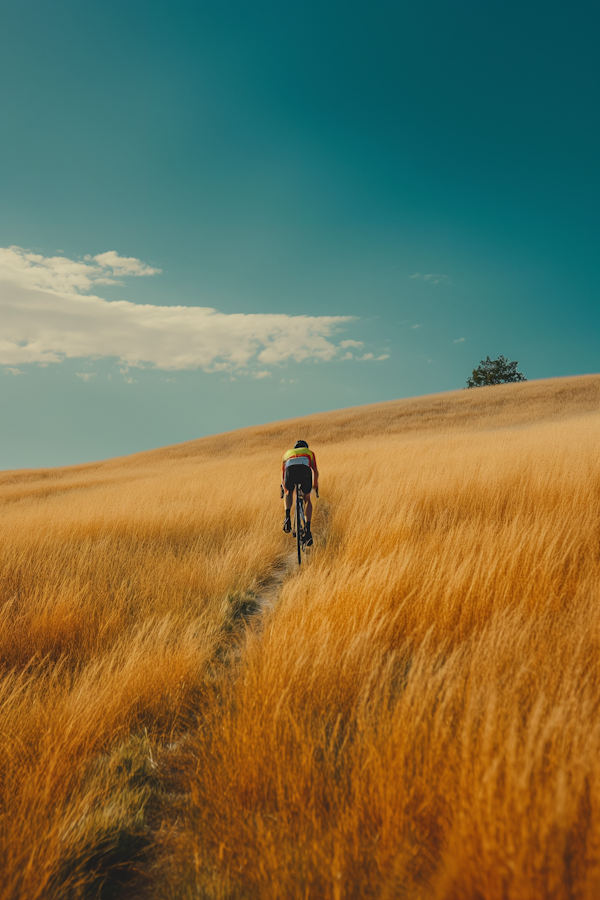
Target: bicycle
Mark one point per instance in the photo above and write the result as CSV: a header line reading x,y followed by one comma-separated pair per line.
x,y
299,523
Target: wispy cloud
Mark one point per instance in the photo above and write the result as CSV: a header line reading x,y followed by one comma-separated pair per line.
x,y
10,370
49,314
62,275
122,265
414,327
86,376
434,279
366,357
459,340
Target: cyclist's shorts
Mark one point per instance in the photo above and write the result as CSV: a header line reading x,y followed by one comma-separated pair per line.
x,y
298,475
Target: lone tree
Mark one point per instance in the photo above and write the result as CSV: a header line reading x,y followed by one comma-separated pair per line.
x,y
495,371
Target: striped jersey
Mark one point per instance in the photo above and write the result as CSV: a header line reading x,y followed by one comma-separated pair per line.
x,y
301,457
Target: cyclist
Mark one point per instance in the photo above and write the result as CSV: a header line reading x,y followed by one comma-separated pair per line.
x,y
297,468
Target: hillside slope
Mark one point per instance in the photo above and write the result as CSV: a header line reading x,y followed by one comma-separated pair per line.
x,y
417,717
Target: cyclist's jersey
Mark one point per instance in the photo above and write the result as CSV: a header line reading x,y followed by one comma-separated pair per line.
x,y
301,456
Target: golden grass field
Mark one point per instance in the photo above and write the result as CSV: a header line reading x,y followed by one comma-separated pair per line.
x,y
417,717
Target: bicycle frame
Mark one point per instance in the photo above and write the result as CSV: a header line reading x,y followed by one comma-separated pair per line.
x,y
299,526
298,530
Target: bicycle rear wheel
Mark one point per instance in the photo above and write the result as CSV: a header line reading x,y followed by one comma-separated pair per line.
x,y
299,528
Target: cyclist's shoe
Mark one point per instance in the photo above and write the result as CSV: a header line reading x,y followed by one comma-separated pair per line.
x,y
308,538
287,525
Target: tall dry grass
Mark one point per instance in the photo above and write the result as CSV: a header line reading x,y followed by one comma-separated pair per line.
x,y
420,716
119,584
417,718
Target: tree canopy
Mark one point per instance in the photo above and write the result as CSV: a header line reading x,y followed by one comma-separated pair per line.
x,y
495,371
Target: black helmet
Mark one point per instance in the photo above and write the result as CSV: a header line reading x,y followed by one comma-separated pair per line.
x,y
300,444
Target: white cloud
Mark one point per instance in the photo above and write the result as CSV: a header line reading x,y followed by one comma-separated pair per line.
x,y
62,275
261,374
435,279
123,265
459,340
368,356
85,376
10,370
414,327
48,315
346,344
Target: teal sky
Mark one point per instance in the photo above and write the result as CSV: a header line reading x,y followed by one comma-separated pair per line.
x,y
372,196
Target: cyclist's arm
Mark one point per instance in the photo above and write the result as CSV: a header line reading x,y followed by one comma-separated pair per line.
x,y
316,471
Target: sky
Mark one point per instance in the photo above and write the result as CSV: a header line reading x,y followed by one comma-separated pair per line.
x,y
221,213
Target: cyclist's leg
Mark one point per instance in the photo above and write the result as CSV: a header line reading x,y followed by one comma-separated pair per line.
x,y
288,499
308,515
288,491
308,508
307,483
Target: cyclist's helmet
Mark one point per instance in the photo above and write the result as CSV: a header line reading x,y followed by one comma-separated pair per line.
x,y
300,444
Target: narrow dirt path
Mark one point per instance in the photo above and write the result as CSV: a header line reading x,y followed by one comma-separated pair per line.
x,y
248,624
255,608
269,594
172,759
252,622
